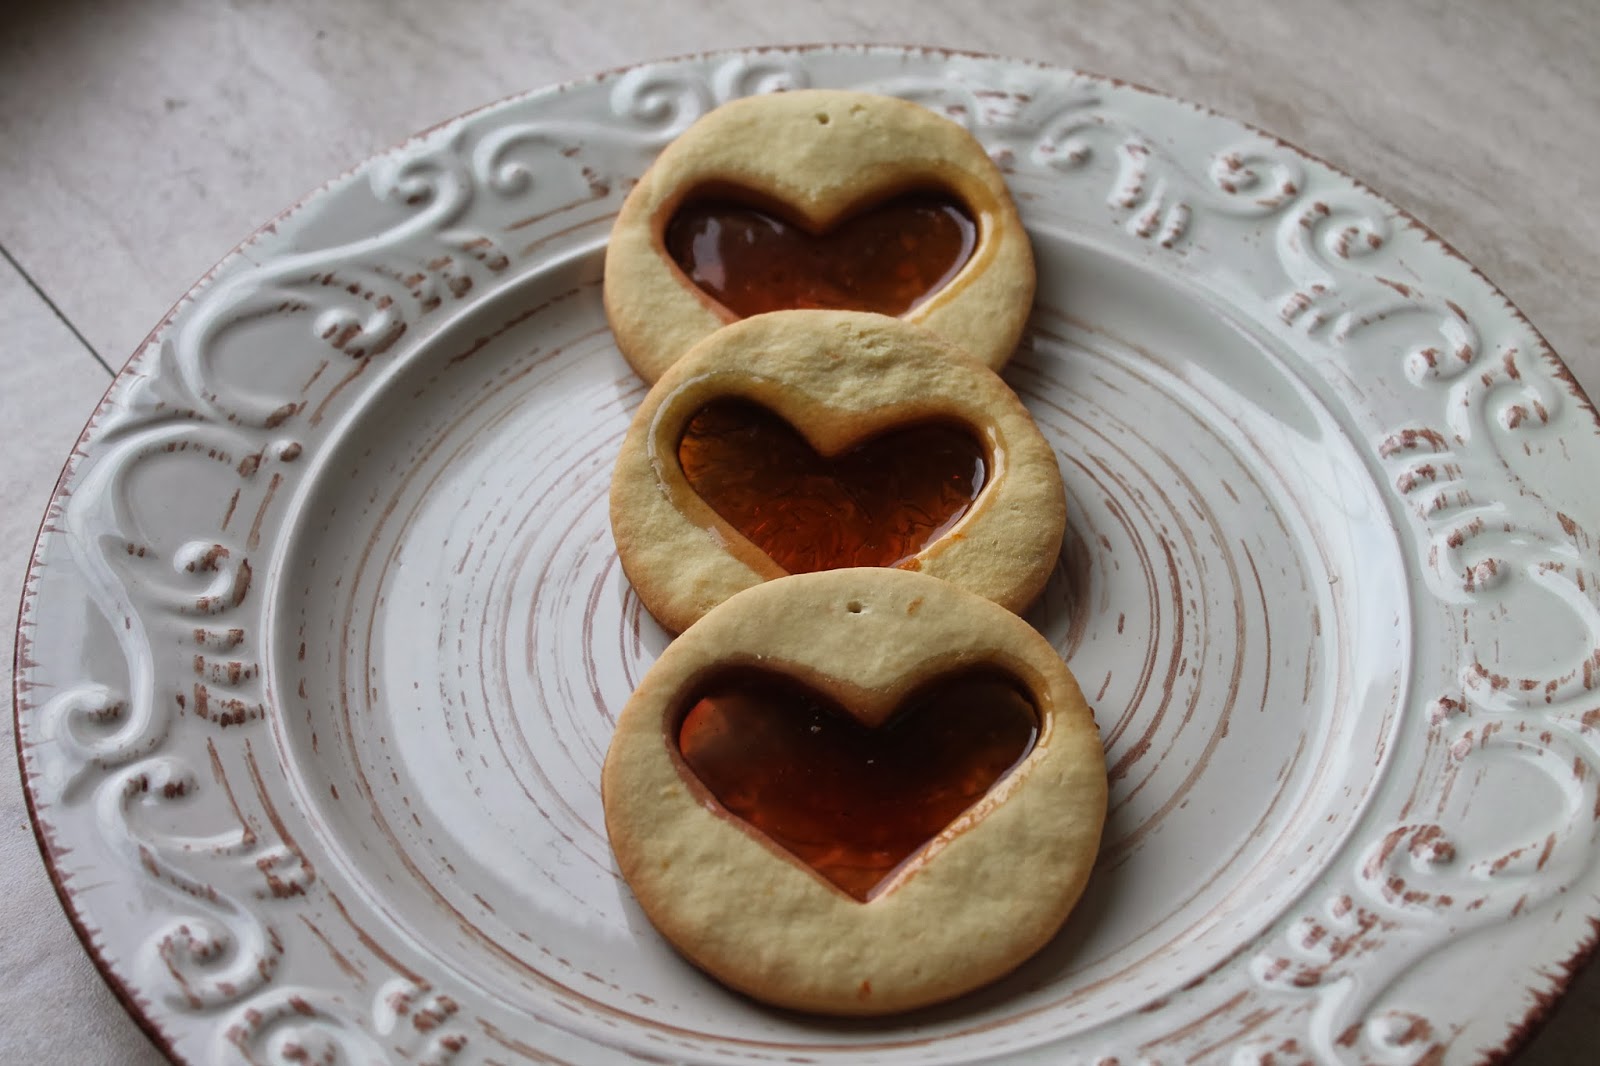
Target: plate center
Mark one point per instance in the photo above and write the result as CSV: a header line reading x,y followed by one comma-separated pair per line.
x,y
468,639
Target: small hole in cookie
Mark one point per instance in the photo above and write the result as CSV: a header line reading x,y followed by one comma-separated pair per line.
x,y
854,606
822,118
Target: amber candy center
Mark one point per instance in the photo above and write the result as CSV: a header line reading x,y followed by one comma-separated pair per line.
x,y
878,504
853,802
887,259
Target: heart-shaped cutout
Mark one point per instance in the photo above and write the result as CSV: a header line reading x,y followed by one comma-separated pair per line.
x,y
853,802
887,259
878,504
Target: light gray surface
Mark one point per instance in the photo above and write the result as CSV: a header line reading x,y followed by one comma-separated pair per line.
x,y
140,142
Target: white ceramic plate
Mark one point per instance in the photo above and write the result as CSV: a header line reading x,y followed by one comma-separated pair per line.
x,y
324,635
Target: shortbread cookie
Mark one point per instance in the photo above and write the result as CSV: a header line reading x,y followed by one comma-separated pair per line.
x,y
929,786
820,160
932,464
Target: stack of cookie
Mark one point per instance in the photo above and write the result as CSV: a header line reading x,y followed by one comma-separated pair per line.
x,y
857,782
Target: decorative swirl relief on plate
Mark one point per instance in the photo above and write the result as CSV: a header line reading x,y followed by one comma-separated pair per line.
x,y
161,770
289,1026
1063,126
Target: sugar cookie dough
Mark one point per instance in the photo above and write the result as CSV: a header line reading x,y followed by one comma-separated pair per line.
x,y
839,378
983,895
819,156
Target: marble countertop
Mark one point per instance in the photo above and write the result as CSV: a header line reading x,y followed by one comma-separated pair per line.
x,y
140,142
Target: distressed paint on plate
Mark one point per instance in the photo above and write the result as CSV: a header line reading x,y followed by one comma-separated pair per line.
x,y
324,631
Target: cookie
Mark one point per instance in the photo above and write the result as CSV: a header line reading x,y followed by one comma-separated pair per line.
x,y
856,792
808,440
913,217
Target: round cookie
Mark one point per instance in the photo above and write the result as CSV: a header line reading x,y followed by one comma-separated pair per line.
x,y
819,156
839,378
981,896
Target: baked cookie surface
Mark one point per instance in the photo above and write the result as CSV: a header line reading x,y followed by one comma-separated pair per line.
x,y
818,157
847,383
984,893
